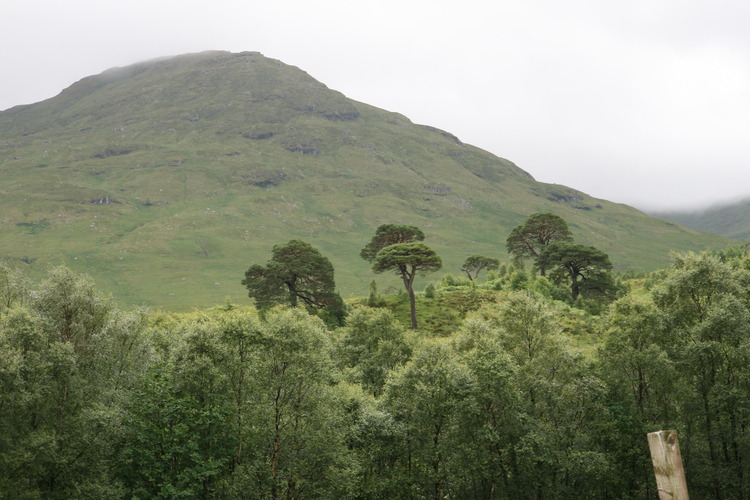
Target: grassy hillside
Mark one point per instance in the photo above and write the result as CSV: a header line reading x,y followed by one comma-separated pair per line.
x,y
165,180
731,221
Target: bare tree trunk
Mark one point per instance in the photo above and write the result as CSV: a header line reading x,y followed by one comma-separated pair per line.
x,y
413,304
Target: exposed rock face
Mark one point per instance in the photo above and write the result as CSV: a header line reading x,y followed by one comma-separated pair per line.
x,y
113,152
259,136
266,180
342,117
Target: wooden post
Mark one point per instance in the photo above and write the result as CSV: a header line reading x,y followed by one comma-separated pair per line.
x,y
665,455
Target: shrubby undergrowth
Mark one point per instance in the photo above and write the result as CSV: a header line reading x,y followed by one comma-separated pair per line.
x,y
507,391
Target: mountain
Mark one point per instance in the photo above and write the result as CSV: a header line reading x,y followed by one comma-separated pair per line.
x,y
729,220
166,179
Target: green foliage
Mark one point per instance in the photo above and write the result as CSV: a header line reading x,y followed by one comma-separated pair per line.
x,y
538,407
634,350
501,271
71,306
373,300
390,234
508,394
13,287
296,272
475,264
169,447
439,316
677,358
299,438
644,383
430,430
66,368
519,280
706,313
407,260
451,282
537,232
236,407
371,345
584,267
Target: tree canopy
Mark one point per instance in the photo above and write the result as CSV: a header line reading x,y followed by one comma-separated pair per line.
x,y
582,265
408,260
296,272
537,232
475,264
390,234
522,398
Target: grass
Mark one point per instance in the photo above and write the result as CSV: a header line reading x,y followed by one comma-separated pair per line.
x,y
204,162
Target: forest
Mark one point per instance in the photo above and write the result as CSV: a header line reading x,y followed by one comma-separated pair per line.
x,y
524,380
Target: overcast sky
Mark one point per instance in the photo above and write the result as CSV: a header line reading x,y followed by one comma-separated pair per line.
x,y
644,102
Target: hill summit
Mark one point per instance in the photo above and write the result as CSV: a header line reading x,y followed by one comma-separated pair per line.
x,y
166,179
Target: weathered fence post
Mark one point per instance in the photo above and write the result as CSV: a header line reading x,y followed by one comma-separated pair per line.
x,y
665,455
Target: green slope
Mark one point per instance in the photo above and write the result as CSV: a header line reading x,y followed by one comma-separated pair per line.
x,y
731,221
165,180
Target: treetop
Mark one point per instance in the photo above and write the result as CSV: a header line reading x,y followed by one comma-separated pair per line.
x,y
418,256
390,234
